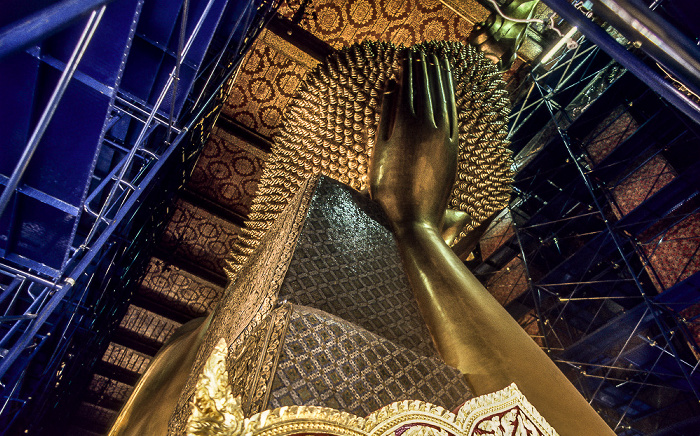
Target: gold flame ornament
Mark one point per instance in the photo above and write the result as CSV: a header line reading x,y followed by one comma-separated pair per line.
x,y
215,412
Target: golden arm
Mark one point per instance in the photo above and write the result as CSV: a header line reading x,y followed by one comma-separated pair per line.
x,y
154,399
411,173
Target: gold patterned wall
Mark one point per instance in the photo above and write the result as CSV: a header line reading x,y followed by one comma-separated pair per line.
x,y
266,81
407,22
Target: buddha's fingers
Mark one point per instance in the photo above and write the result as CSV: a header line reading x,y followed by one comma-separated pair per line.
x,y
423,105
448,86
437,93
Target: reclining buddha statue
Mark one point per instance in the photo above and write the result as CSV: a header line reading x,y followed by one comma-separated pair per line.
x,y
347,311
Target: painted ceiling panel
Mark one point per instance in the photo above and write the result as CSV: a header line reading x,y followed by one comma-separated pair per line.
x,y
267,80
184,291
341,23
147,324
126,358
199,236
112,389
100,416
227,172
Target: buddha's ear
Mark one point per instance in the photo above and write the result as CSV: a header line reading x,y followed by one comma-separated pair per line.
x,y
453,223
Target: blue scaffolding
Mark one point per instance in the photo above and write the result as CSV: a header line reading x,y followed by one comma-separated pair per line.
x,y
97,98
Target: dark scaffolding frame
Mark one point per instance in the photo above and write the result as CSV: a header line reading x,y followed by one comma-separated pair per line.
x,y
56,317
607,177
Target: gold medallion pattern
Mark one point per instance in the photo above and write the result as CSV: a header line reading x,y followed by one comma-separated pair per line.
x,y
344,22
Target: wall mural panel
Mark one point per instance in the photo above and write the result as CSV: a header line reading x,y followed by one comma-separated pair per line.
x,y
199,236
147,324
126,358
186,292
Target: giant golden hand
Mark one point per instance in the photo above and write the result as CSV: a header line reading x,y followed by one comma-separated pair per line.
x,y
411,174
415,155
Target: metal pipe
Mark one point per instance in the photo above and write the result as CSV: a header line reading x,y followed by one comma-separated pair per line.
x,y
245,13
36,304
45,23
639,388
562,80
655,37
178,63
28,276
591,282
10,306
131,105
621,380
597,298
617,357
29,292
109,177
559,220
119,147
620,368
248,20
14,388
534,292
10,318
16,282
50,109
608,44
653,344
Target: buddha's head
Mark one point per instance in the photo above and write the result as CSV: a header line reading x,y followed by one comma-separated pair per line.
x,y
329,129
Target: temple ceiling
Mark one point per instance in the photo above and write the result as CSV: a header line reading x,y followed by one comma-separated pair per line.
x,y
184,278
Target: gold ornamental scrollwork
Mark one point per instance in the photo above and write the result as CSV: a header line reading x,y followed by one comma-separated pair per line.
x,y
216,412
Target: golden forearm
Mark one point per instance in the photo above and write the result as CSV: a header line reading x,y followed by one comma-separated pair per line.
x,y
153,401
475,334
